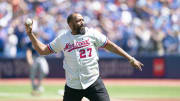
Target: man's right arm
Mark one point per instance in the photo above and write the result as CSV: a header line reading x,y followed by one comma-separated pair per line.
x,y
41,48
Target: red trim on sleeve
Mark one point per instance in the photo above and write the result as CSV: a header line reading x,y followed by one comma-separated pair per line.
x,y
49,48
104,45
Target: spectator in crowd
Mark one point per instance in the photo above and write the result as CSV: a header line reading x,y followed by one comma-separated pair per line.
x,y
2,35
140,27
6,13
38,69
10,45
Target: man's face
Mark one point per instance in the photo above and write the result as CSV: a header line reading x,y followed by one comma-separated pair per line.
x,y
78,24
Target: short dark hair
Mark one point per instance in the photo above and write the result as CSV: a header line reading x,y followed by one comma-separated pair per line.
x,y
70,17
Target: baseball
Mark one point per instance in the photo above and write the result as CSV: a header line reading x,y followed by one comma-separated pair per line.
x,y
29,21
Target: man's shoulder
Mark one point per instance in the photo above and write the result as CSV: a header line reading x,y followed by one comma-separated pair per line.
x,y
63,33
92,30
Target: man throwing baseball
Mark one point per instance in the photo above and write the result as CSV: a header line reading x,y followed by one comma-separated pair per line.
x,y
80,47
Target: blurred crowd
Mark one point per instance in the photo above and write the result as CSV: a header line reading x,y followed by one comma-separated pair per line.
x,y
140,27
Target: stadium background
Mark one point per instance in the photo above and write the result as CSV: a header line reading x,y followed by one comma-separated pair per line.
x,y
146,29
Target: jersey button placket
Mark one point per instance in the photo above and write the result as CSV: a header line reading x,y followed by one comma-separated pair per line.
x,y
79,62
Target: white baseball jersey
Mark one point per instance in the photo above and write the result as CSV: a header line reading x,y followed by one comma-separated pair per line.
x,y
80,56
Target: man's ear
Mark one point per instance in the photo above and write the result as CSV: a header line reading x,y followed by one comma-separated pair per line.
x,y
70,25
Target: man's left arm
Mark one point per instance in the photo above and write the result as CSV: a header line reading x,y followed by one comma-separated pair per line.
x,y
112,47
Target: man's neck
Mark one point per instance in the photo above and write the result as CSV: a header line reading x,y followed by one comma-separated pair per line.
x,y
74,33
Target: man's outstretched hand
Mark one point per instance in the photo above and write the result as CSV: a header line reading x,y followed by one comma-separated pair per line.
x,y
137,64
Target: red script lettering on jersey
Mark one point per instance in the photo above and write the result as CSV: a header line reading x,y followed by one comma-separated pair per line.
x,y
70,47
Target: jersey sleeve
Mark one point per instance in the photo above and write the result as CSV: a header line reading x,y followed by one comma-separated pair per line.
x,y
55,46
101,39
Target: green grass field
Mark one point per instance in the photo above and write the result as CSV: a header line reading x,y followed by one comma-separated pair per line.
x,y
9,92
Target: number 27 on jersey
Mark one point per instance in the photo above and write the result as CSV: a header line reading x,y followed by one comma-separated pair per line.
x,y
85,52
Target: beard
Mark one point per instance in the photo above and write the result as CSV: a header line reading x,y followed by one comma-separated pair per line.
x,y
80,30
